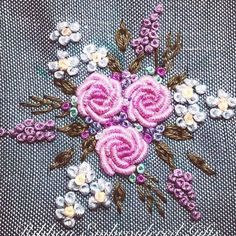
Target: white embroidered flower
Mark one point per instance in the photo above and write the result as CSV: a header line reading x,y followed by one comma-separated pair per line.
x,y
80,176
65,64
66,32
220,106
94,57
101,191
189,117
188,91
68,209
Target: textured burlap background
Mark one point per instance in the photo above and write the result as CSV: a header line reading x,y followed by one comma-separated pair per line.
x,y
28,189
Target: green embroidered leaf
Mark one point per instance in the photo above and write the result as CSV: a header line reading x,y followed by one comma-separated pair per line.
x,y
119,196
73,130
62,159
122,37
177,133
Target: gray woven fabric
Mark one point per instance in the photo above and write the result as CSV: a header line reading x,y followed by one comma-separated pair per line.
x,y
28,189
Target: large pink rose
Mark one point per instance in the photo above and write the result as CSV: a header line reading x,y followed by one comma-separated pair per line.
x,y
99,97
149,102
120,149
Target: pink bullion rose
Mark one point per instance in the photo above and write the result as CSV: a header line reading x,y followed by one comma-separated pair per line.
x,y
120,149
99,97
149,102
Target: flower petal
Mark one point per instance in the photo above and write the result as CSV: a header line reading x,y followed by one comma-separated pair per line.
x,y
90,176
72,71
89,49
101,184
75,26
212,101
84,167
103,52
180,122
180,110
228,114
232,102
107,203
72,185
92,66
60,201
75,37
72,171
53,66
192,127
94,187
64,40
70,198
199,116
179,98
222,94
74,61
84,57
193,99
79,209
59,74
103,62
215,113
69,223
84,189
201,89
92,204
62,25
62,54
54,35
59,214
193,109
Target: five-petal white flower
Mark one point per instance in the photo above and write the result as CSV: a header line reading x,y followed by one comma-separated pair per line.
x,y
64,64
221,105
68,209
94,56
66,32
80,176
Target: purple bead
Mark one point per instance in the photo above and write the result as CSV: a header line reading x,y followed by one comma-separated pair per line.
x,y
140,179
40,136
152,34
125,74
147,138
125,123
148,49
187,186
3,132
20,127
65,106
157,136
116,76
31,139
134,77
145,41
160,128
50,124
123,116
116,120
179,182
29,122
155,26
139,49
170,187
184,201
191,206
13,133
144,32
85,134
124,108
178,173
88,120
161,71
159,8
29,131
196,215
136,42
39,126
50,136
150,130
172,178
146,23
155,43
125,83
188,176
21,137
154,17
178,193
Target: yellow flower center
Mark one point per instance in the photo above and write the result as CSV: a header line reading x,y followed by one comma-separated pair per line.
x,y
80,179
223,104
100,196
63,64
66,31
69,212
188,118
187,92
96,57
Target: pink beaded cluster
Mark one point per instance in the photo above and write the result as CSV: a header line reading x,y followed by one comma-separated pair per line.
x,y
180,186
148,39
30,131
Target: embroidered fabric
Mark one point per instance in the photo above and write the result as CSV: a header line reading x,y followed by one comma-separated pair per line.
x,y
28,189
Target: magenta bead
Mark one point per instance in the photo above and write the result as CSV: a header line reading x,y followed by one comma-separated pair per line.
x,y
148,49
155,43
170,187
30,139
188,176
141,179
161,71
85,134
177,173
154,17
184,201
3,132
21,137
29,131
65,106
116,76
147,138
29,122
179,182
40,136
20,127
191,206
146,23
39,126
196,215
50,124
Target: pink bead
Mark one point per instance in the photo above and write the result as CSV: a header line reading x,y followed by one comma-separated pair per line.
x,y
170,187
139,49
40,136
155,26
116,76
21,137
178,193
146,23
85,134
31,139
178,173
136,42
188,176
3,132
29,122
39,126
20,127
191,206
187,187
152,34
154,17
172,178
184,201
196,215
155,43
50,136
29,131
145,41
179,182
159,8
13,133
148,49
50,124
144,32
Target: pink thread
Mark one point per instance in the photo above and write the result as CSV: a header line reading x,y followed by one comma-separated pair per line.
x,y
120,149
150,102
99,98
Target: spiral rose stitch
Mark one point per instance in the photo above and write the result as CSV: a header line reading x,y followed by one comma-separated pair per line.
x,y
150,102
120,149
99,98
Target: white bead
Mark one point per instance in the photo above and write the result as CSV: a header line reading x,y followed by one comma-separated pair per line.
x,y
84,189
193,109
91,67
75,26
180,110
59,214
180,122
74,61
200,116
72,171
192,127
91,48
70,198
193,99
215,113
222,94
54,35
212,101
201,89
178,98
62,54
79,209
228,114
72,71
69,223
53,66
75,37
232,102
60,202
103,62
64,40
62,25
59,74
103,51
84,57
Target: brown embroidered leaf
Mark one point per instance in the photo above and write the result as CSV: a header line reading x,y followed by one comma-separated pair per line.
x,y
73,130
177,133
141,193
150,201
122,37
164,153
88,146
160,195
171,51
160,209
114,64
200,163
151,178
136,64
62,159
66,86
119,196
156,51
176,79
